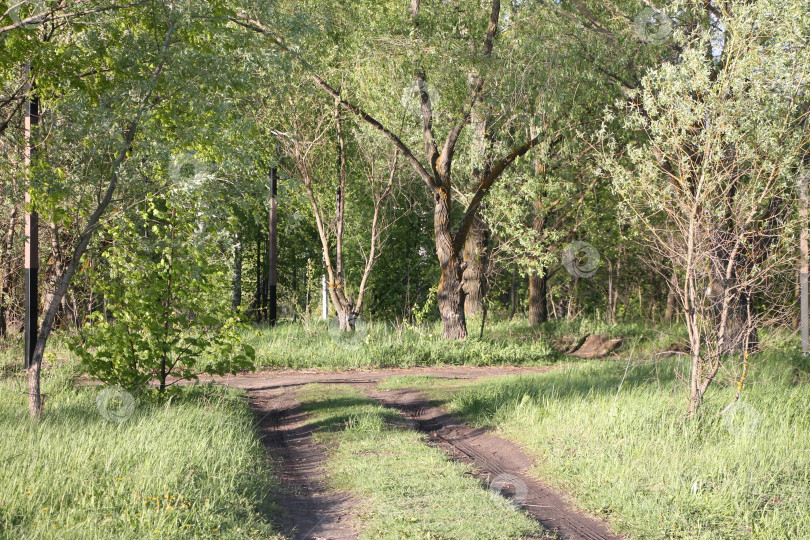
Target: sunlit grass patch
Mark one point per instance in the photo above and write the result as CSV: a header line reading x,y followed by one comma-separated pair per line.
x,y
191,467
298,346
407,489
623,448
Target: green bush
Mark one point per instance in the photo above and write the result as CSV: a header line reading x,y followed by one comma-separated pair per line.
x,y
165,313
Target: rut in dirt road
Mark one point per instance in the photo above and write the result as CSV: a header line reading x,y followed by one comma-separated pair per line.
x,y
498,462
310,509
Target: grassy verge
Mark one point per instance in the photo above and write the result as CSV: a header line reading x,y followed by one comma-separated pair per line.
x,y
190,468
382,345
408,489
621,446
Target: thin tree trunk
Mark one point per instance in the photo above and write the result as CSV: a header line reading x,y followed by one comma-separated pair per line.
x,y
804,265
34,371
237,275
259,280
554,306
167,312
58,266
572,299
513,295
671,298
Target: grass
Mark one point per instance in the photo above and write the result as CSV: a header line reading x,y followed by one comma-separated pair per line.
x,y
408,489
189,468
383,345
620,445
610,433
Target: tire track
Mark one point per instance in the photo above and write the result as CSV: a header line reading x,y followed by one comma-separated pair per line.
x,y
310,509
498,462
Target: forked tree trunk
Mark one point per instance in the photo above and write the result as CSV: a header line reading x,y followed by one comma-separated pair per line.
x,y
538,302
450,295
475,257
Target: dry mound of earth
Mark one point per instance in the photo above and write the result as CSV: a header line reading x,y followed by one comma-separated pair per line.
x,y
589,345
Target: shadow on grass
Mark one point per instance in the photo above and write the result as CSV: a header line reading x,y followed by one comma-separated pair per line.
x,y
595,379
338,413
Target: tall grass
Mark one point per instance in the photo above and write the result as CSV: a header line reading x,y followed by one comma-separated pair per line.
x,y
614,435
383,345
189,468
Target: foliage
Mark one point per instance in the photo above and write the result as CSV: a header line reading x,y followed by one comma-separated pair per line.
x,y
165,314
712,179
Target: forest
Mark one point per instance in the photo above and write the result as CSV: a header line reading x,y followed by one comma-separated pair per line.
x,y
560,239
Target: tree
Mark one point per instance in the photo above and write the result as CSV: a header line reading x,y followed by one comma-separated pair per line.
x,y
103,84
712,183
437,176
166,311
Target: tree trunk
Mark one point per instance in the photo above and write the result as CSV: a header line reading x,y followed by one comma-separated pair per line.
x,y
513,295
670,311
259,280
538,302
237,275
804,265
57,268
346,318
34,371
475,258
451,295
742,335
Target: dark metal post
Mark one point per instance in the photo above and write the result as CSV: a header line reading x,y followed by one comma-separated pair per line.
x,y
31,233
273,248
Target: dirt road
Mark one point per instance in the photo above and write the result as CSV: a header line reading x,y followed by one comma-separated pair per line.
x,y
311,511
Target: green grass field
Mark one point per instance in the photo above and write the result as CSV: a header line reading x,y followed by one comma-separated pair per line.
x,y
610,433
620,445
189,468
383,345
